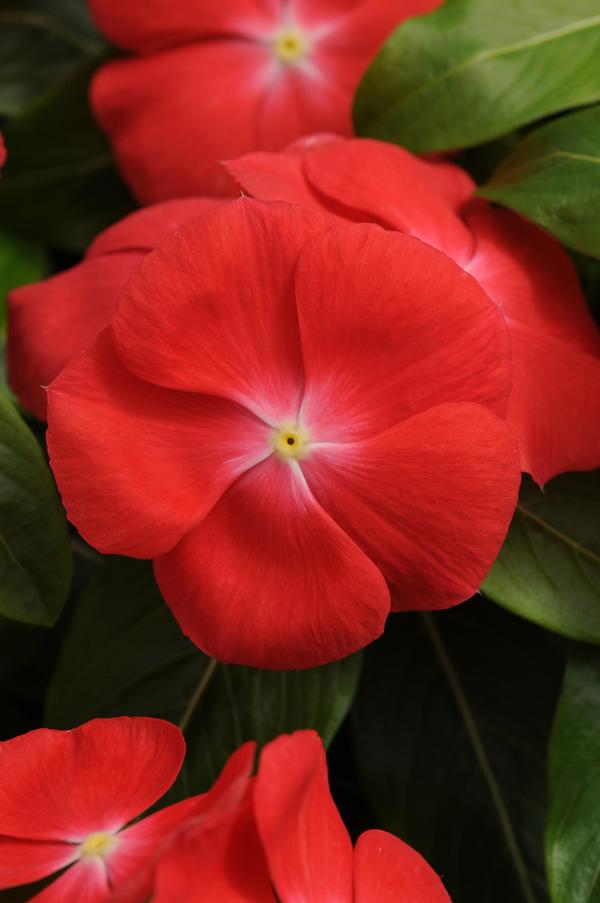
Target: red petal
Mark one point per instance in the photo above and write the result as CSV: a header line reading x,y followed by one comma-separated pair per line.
x,y
429,501
143,229
213,308
85,882
389,328
223,861
307,846
528,274
64,785
554,405
173,116
24,861
395,188
134,879
269,580
275,177
386,870
159,459
160,23
140,843
52,320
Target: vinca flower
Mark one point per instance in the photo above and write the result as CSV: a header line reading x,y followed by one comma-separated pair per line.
x,y
67,798
284,841
51,320
300,423
210,81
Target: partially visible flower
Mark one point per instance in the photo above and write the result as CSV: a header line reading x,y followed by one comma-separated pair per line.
x,y
51,320
292,417
2,151
67,799
212,80
555,342
286,835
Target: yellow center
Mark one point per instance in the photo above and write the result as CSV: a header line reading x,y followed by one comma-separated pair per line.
x,y
291,441
289,45
100,844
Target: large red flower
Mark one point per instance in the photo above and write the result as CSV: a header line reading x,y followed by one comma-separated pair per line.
x,y
555,342
66,798
289,416
214,80
51,320
286,834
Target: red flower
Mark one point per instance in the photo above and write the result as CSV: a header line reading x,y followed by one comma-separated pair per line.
x,y
286,834
50,321
555,342
66,798
289,416
215,80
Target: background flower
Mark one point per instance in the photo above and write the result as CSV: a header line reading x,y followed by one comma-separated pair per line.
x,y
214,81
555,342
51,320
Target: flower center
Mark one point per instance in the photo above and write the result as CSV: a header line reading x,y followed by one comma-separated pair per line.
x,y
289,45
291,441
99,844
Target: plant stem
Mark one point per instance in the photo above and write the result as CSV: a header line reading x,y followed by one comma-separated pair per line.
x,y
197,694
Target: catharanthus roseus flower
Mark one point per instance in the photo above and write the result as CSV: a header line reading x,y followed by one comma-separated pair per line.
x,y
285,838
67,798
51,320
555,342
291,417
214,80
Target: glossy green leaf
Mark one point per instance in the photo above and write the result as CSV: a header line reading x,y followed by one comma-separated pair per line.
x,y
125,655
476,69
60,188
549,568
41,42
553,178
450,726
21,262
573,832
35,560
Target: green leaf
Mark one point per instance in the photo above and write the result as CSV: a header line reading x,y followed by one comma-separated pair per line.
x,y
553,178
63,189
126,655
549,568
21,262
573,831
450,727
41,42
35,559
476,69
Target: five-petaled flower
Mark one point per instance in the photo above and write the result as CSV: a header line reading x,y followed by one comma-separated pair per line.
x,y
555,343
293,418
215,80
285,837
66,798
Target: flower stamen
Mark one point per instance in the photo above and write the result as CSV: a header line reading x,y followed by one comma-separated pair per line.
x,y
289,45
291,441
99,844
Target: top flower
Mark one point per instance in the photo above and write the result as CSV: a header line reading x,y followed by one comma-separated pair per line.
x,y
216,80
291,415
